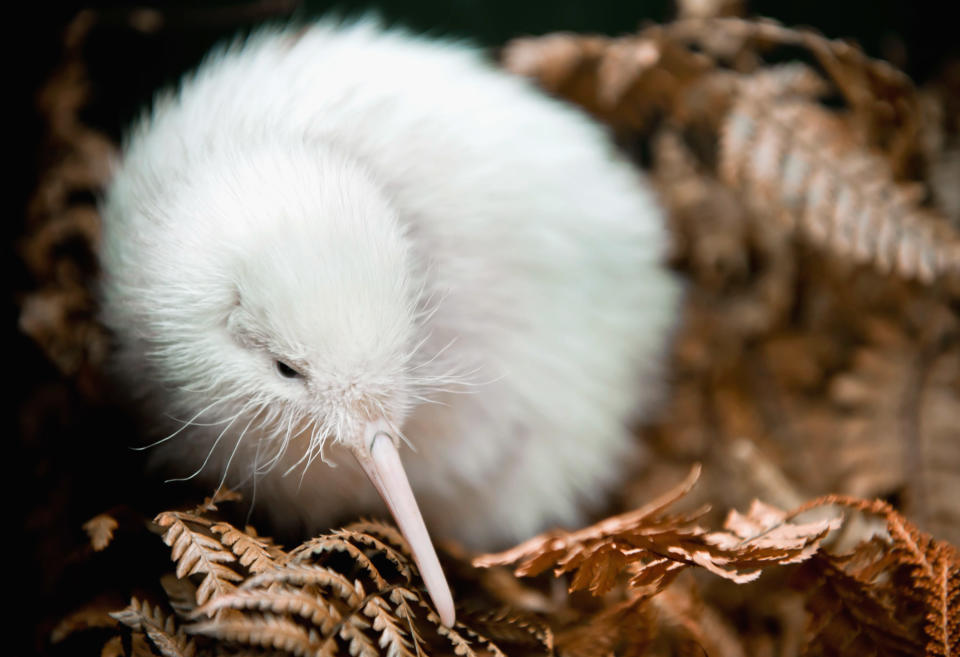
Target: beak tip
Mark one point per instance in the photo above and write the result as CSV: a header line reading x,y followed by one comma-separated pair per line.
x,y
447,616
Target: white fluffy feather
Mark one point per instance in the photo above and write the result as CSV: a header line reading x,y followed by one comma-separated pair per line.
x,y
421,236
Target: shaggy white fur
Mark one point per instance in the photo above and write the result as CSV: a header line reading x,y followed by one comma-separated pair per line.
x,y
327,226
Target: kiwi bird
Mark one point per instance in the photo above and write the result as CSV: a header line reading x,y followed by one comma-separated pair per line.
x,y
342,254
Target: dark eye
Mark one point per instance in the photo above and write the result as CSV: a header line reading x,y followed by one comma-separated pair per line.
x,y
286,371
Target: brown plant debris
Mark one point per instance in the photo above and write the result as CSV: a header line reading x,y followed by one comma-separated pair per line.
x,y
897,593
100,529
354,592
830,174
797,162
345,592
654,547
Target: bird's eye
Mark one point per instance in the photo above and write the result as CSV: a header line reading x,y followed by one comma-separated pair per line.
x,y
286,371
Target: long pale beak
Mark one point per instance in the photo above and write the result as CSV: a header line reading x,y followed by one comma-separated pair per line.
x,y
379,458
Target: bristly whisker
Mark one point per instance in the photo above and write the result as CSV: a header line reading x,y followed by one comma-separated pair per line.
x,y
209,453
187,423
430,360
226,468
284,438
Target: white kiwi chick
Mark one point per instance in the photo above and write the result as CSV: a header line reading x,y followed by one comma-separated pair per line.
x,y
338,255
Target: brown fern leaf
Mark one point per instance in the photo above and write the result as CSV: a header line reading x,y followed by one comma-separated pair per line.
x,y
309,575
883,101
625,628
655,547
538,553
60,241
461,646
795,160
488,646
897,405
211,503
159,627
393,637
281,602
354,631
625,82
401,559
95,613
266,631
403,599
254,553
181,594
516,632
898,594
338,542
386,533
687,625
197,553
100,529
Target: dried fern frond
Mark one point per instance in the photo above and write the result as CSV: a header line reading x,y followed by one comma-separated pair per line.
x,y
625,628
796,161
100,529
159,627
93,614
882,99
348,591
514,630
625,82
62,232
654,547
893,594
196,552
264,631
840,192
254,553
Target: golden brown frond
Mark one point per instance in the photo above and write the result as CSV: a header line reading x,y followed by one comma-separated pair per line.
x,y
253,553
195,552
212,502
894,594
793,159
655,547
159,627
403,562
93,614
337,543
181,594
393,637
796,161
100,530
309,575
387,534
626,628
267,631
280,602
514,630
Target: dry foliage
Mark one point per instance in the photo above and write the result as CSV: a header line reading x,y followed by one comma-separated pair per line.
x,y
655,548
815,213
354,591
896,593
